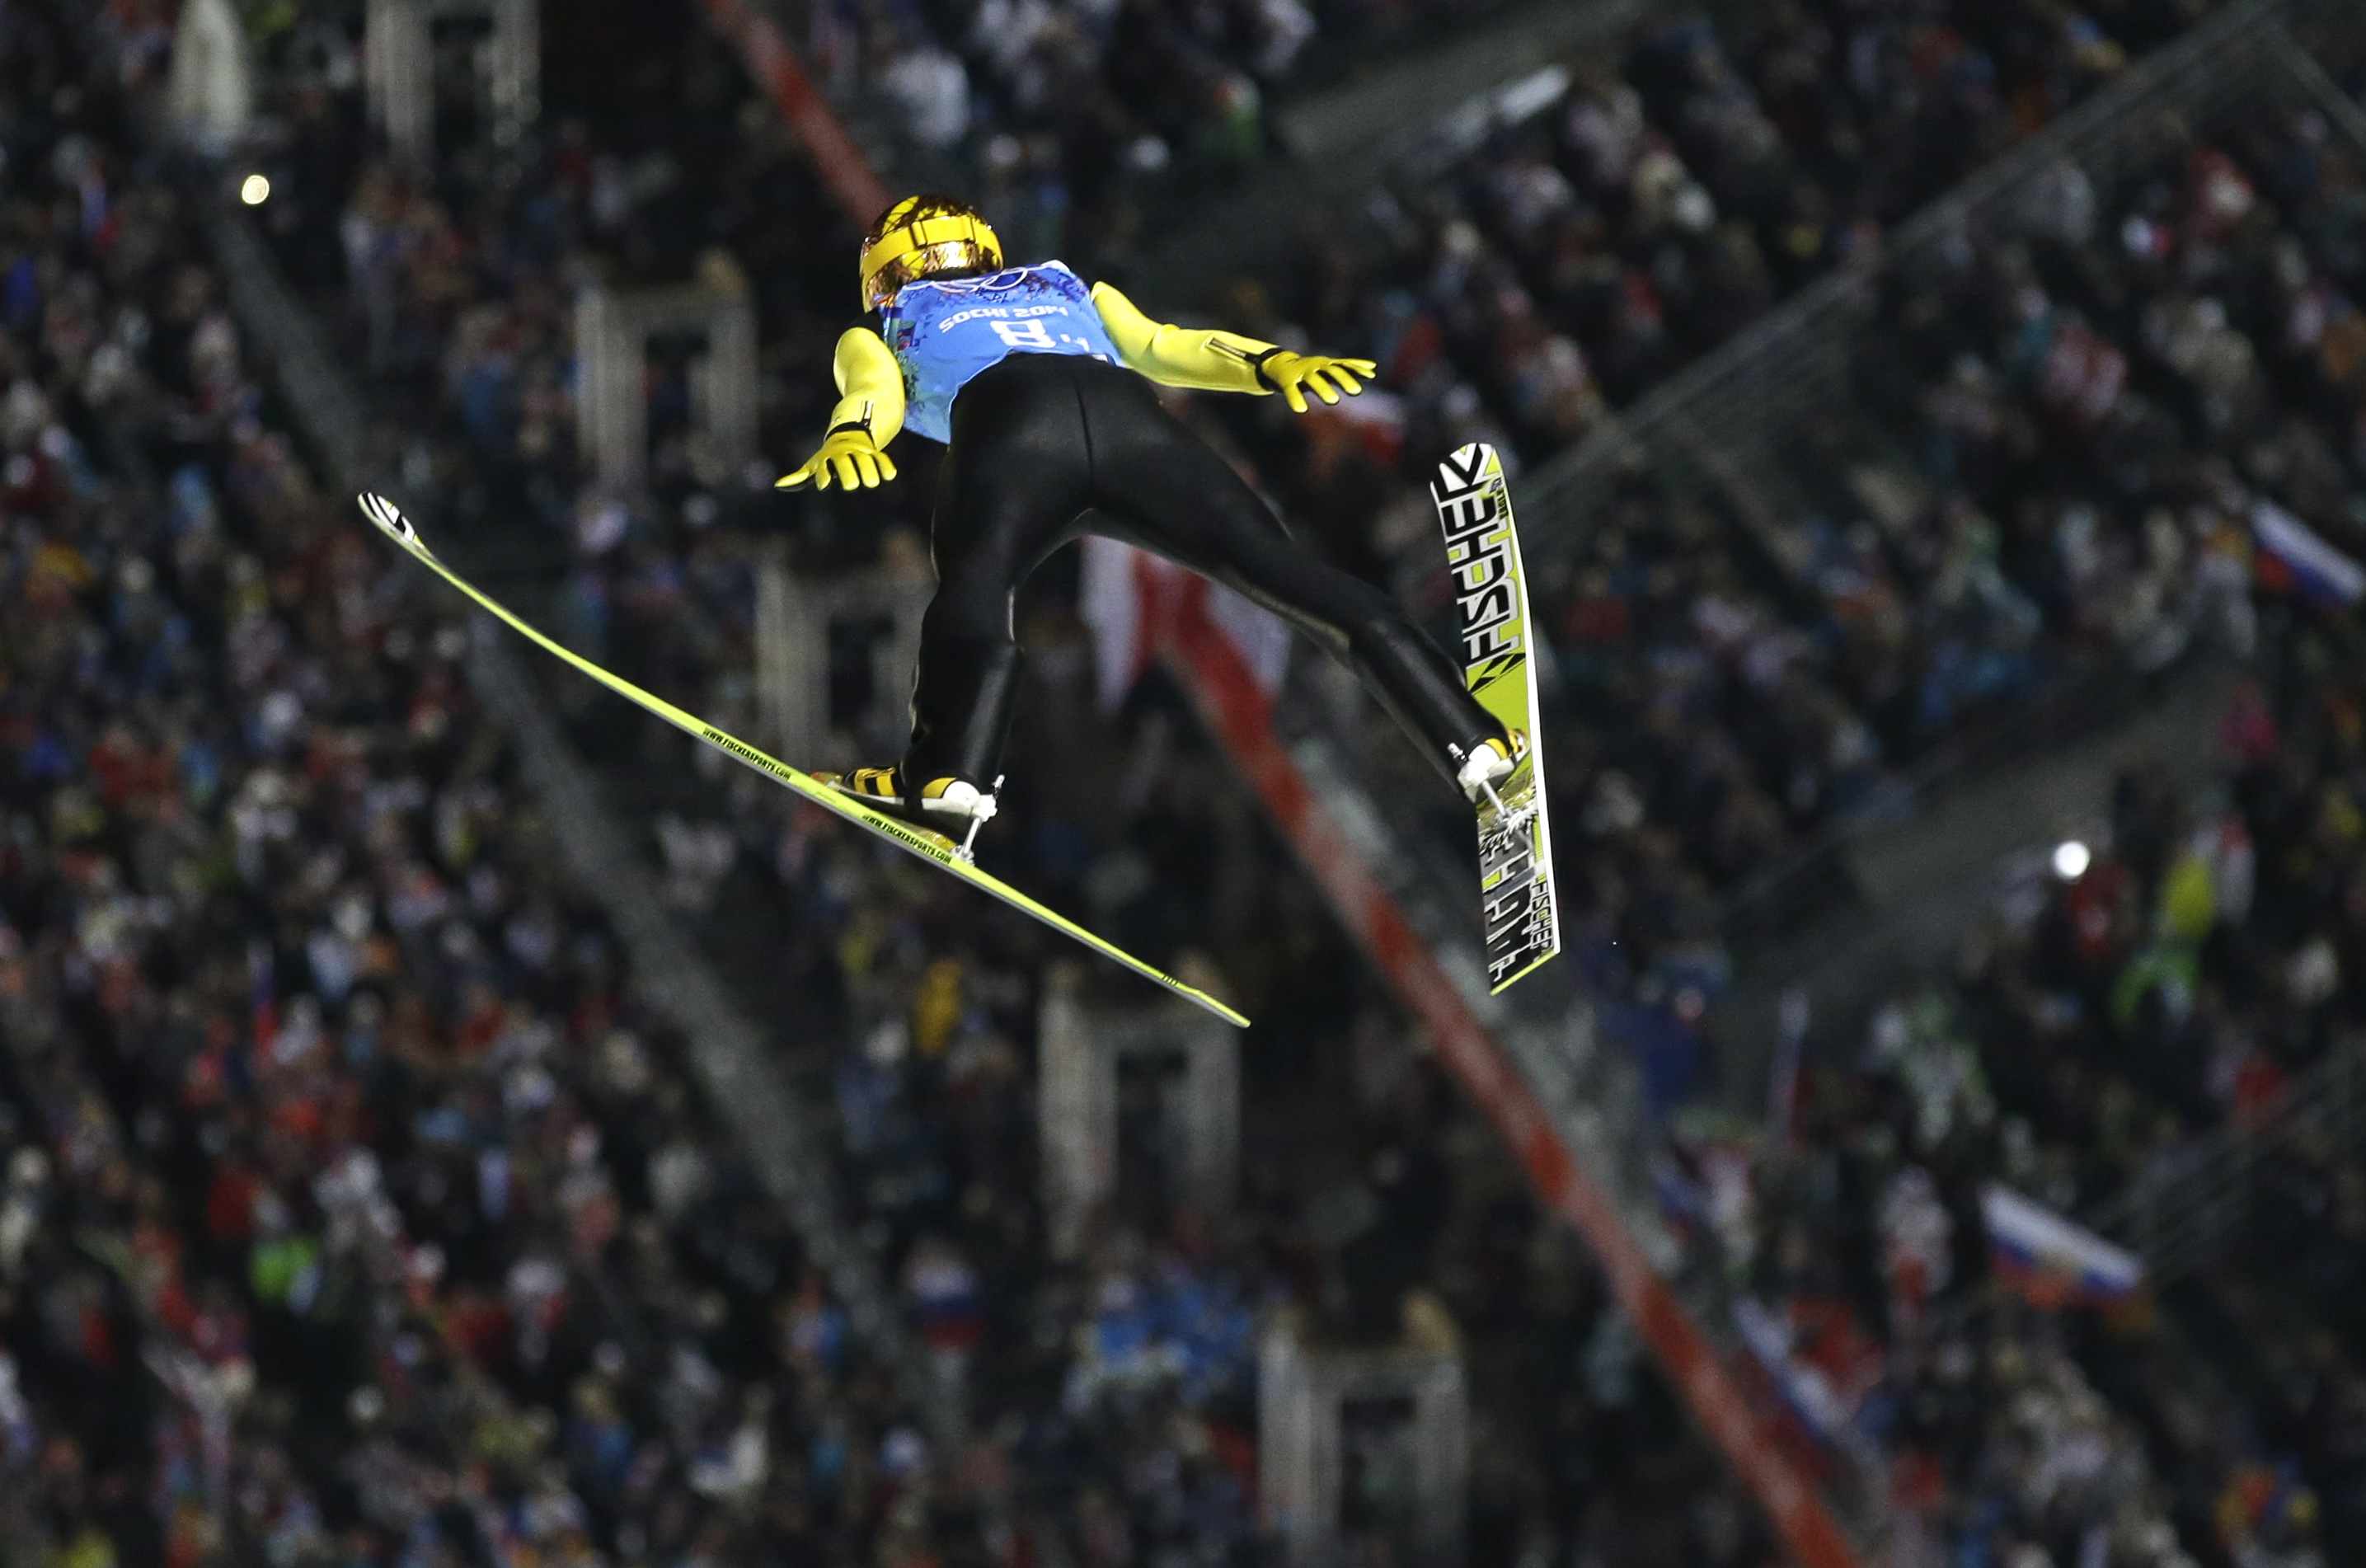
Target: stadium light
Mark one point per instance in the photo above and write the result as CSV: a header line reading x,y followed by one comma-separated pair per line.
x,y
255,191
2071,860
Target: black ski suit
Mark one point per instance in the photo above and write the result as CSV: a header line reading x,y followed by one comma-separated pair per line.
x,y
1048,448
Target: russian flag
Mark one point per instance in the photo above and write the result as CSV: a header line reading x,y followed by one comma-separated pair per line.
x,y
2050,1261
1804,1391
2293,558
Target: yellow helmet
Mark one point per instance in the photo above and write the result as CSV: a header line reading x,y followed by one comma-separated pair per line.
x,y
920,236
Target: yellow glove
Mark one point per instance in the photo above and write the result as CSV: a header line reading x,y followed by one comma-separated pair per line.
x,y
868,415
849,454
1289,374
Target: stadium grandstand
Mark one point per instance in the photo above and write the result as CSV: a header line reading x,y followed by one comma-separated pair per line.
x,y
450,1119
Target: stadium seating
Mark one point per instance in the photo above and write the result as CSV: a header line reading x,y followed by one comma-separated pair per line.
x,y
329,1109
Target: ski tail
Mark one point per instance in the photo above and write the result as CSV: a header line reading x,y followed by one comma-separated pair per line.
x,y
932,847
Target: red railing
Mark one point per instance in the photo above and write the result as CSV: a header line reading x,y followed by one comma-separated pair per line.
x,y
852,183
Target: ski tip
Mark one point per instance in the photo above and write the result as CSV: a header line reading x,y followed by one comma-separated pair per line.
x,y
390,519
1236,1019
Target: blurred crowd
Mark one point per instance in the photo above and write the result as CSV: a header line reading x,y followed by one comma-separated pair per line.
x,y
2063,452
2105,1016
1088,127
354,1210
2169,354
1602,228
355,1213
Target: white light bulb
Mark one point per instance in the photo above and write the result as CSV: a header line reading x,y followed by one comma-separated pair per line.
x,y
255,191
2071,860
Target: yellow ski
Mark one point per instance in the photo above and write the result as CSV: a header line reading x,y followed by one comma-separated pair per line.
x,y
934,848
1515,864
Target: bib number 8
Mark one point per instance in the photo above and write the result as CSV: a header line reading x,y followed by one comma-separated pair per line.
x,y
1023,334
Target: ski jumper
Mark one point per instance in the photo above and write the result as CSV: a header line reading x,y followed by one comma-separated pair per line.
x,y
1051,436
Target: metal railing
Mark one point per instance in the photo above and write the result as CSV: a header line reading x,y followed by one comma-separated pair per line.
x,y
1729,415
2185,1208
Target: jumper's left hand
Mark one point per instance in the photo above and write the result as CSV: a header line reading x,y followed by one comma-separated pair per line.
x,y
1292,374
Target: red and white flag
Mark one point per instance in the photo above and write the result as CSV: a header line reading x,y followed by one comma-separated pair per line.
x,y
1132,598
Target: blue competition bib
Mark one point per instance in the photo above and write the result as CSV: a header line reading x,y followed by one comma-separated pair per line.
x,y
943,333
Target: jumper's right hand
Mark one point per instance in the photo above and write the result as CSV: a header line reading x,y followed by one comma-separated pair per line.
x,y
1293,374
850,457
